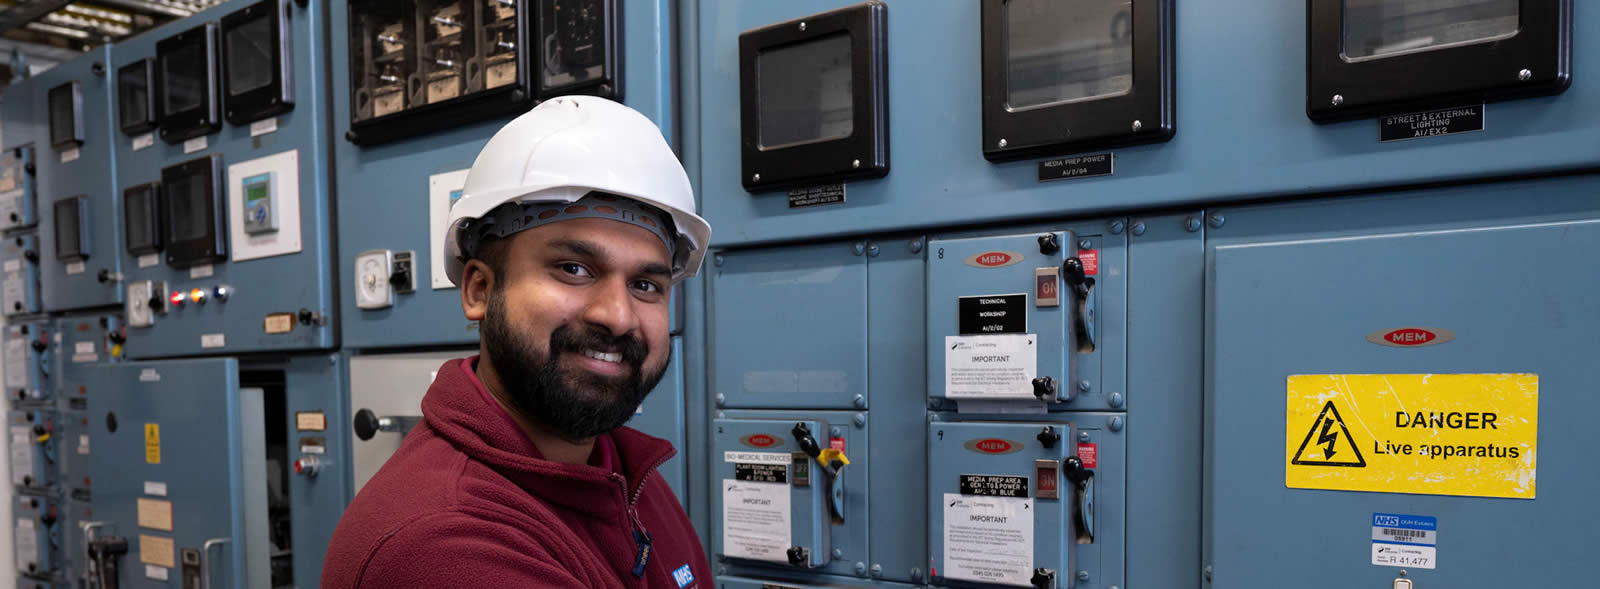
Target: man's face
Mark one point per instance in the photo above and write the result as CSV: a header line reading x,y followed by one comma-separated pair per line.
x,y
576,325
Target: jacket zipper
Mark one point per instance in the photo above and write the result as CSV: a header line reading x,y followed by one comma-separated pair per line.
x,y
641,536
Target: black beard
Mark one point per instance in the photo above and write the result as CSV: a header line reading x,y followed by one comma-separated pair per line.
x,y
577,408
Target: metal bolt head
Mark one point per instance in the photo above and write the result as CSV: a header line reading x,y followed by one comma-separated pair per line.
x,y
1215,221
877,570
916,575
755,177
860,248
1208,573
838,554
1138,228
1117,227
1191,224
860,419
1115,400
1083,437
1084,244
802,25
1115,423
872,250
1137,125
1525,75
855,163
717,259
1002,143
1338,100
721,400
935,403
916,246
1083,576
1083,386
722,570
836,431
861,568
859,401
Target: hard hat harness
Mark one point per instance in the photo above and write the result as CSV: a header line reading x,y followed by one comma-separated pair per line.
x,y
512,217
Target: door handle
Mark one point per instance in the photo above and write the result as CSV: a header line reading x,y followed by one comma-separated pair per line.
x,y
205,561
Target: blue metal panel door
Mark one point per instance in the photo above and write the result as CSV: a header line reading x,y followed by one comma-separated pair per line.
x,y
37,537
87,171
1518,295
32,434
19,198
175,443
789,327
28,366
661,415
19,293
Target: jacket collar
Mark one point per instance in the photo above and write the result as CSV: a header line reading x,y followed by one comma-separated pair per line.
x,y
462,411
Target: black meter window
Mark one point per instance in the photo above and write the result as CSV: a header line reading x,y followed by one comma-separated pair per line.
x,y
72,228
141,209
257,81
188,98
193,215
137,113
1375,57
1062,77
578,48
813,99
66,116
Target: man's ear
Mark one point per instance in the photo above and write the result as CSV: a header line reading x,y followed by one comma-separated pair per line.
x,y
476,282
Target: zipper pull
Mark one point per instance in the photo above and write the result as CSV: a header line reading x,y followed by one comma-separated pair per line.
x,y
641,556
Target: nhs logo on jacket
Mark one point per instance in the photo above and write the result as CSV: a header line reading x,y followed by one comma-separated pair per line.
x,y
683,576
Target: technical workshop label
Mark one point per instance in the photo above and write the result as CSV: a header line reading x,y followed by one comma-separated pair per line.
x,y
1442,434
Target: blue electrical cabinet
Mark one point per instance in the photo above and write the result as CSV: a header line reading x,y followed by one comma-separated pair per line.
x,y
32,434
80,216
19,293
85,340
19,195
37,540
662,415
229,247
1425,355
261,428
395,185
29,364
76,514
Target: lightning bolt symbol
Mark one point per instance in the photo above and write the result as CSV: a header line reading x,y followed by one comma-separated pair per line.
x,y
1328,438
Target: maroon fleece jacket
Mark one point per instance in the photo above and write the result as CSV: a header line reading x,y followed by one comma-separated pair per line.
x,y
467,501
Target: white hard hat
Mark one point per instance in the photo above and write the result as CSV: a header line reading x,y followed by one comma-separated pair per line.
x,y
568,147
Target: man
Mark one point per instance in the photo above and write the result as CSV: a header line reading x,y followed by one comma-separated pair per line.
x,y
574,223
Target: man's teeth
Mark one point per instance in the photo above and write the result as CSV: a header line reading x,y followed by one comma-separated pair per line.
x,y
602,356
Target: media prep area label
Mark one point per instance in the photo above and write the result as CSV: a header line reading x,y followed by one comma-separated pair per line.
x,y
1470,435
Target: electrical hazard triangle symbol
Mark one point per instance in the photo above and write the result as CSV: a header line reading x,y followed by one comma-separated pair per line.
x,y
1324,442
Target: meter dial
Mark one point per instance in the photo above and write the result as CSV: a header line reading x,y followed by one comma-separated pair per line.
x,y
372,279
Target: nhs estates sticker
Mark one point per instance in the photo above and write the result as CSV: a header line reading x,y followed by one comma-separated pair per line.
x,y
1472,435
1405,540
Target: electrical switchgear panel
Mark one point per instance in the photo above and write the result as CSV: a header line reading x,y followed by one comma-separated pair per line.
x,y
29,362
32,434
38,523
19,290
19,196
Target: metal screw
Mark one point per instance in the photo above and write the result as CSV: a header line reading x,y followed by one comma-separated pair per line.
x,y
1138,228
859,401
855,163
1083,437
802,25
1115,400
1115,423
838,554
1116,227
877,570
1137,126
722,415
861,569
916,575
1002,143
1084,244
721,400
722,570
860,420
872,250
717,260
1525,75
1215,221
755,177
1338,100
1191,224
1083,576
1083,386
836,431
1208,574
916,246
861,248
935,403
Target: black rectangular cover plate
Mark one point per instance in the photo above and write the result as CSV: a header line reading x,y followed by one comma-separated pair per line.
x,y
209,243
136,92
1085,125
72,228
142,216
66,115
204,117
606,22
862,154
243,106
1466,74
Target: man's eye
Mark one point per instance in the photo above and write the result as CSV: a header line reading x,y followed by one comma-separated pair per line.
x,y
647,286
574,269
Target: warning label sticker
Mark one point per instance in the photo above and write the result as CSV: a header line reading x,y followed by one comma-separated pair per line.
x,y
1443,434
1404,540
990,366
988,539
755,520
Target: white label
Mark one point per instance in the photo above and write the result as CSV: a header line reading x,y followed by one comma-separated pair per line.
x,y
757,457
83,444
193,145
155,488
755,520
13,265
27,543
21,453
202,271
149,375
212,340
155,572
990,366
988,539
11,292
16,362
70,155
313,449
85,358
83,348
75,268
143,141
148,260
1403,555
264,126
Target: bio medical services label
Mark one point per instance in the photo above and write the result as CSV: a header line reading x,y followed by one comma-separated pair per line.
x,y
1441,434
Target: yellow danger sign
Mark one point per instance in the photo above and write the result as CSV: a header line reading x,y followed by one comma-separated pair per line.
x,y
1441,434
152,443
